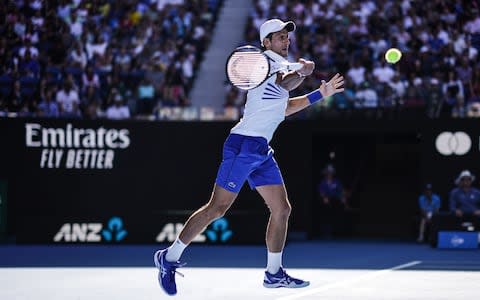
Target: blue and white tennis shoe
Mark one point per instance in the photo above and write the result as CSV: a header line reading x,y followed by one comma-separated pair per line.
x,y
282,279
166,272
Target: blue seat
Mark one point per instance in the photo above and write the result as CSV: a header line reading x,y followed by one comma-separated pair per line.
x,y
6,85
28,86
54,73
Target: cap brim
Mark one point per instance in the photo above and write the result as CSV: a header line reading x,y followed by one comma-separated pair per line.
x,y
290,26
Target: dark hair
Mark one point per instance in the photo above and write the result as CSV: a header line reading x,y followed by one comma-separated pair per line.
x,y
269,36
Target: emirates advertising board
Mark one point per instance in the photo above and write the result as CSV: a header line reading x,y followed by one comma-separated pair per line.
x,y
80,181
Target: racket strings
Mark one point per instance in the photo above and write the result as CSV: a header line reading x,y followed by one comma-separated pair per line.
x,y
247,69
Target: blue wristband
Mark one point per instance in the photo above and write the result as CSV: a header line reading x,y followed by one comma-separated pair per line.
x,y
314,96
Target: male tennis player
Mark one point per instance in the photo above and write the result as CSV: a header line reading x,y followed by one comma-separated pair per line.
x,y
247,156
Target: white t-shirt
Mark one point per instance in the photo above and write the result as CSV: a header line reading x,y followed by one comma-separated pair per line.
x,y
357,75
383,74
118,112
67,100
265,106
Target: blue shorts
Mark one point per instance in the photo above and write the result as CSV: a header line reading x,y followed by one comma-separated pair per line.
x,y
247,158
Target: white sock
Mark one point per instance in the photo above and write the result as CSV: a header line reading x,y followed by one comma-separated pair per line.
x,y
274,262
175,250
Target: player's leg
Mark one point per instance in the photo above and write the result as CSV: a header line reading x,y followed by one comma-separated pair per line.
x,y
421,230
268,181
167,260
275,196
219,203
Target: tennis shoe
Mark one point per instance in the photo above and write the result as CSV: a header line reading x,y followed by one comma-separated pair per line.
x,y
282,279
166,272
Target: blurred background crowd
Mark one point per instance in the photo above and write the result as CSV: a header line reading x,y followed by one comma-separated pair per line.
x,y
128,59
438,76
100,58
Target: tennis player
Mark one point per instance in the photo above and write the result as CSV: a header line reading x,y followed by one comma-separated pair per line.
x,y
247,156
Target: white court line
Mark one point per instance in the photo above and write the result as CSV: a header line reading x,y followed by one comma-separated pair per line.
x,y
349,281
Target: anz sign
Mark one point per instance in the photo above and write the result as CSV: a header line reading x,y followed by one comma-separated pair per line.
x,y
217,232
114,231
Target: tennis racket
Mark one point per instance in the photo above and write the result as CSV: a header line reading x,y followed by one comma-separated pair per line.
x,y
247,67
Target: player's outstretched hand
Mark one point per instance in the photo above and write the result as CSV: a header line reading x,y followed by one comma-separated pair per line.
x,y
333,86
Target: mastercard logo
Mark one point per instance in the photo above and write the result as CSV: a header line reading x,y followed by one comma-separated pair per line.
x,y
453,143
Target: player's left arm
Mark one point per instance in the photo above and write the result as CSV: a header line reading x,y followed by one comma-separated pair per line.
x,y
291,80
326,89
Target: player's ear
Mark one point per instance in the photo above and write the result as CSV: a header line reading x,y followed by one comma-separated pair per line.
x,y
267,43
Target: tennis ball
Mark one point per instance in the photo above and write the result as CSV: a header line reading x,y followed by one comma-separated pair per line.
x,y
393,55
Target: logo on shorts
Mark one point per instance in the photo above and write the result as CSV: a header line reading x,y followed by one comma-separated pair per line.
x,y
232,184
448,143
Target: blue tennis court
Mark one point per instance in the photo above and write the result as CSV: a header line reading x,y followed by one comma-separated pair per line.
x,y
336,269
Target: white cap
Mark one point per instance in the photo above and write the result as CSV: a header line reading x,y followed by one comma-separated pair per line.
x,y
464,173
275,25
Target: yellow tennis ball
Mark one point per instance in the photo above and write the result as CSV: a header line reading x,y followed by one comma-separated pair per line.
x,y
393,55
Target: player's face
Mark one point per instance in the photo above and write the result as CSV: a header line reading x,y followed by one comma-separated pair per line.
x,y
279,43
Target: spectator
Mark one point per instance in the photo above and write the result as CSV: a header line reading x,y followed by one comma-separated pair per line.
x,y
29,65
78,57
383,73
429,204
123,59
16,100
452,89
433,97
174,91
356,73
118,111
28,47
68,101
464,199
459,110
474,87
464,73
333,203
47,107
366,97
90,79
146,97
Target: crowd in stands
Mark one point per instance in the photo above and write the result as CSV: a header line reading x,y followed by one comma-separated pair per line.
x,y
122,59
438,75
100,58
